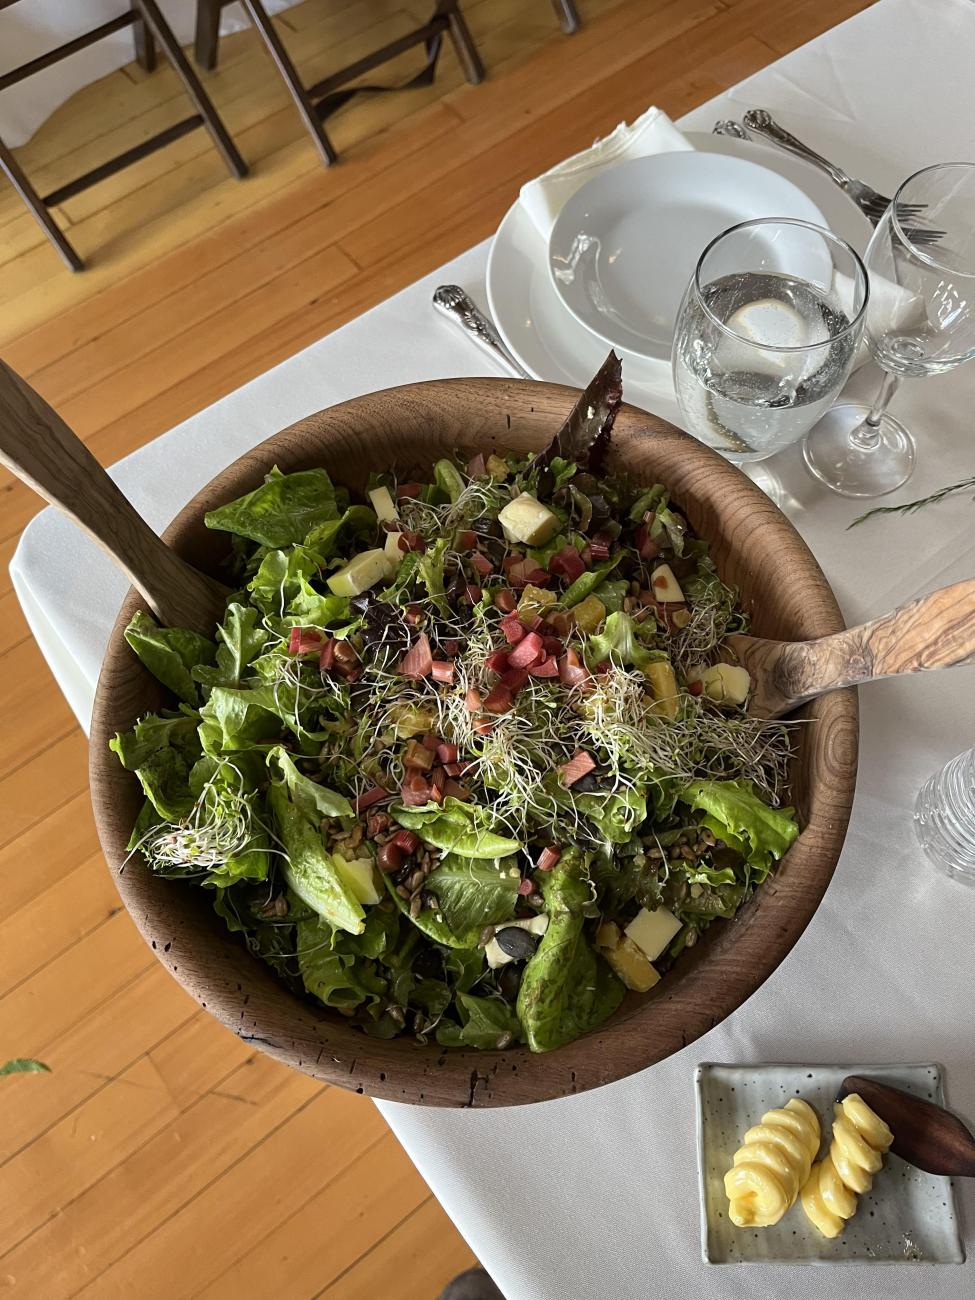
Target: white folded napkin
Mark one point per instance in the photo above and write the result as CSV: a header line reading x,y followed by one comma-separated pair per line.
x,y
544,197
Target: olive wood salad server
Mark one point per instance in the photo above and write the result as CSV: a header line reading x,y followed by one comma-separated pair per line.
x,y
935,631
925,1135
37,446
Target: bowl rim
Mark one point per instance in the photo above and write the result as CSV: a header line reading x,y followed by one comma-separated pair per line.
x,y
316,1040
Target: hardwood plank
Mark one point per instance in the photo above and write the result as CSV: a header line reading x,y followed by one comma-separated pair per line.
x,y
406,1254
42,856
198,1242
210,1133
360,1204
13,625
66,911
32,713
42,783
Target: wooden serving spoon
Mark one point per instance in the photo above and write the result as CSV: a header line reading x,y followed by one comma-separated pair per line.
x,y
935,631
37,446
925,1135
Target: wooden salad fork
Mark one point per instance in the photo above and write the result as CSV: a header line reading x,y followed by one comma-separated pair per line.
x,y
925,1135
935,631
37,446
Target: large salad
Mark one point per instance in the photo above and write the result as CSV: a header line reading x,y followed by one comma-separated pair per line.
x,y
462,762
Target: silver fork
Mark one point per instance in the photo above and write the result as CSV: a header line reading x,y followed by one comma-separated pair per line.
x,y
759,122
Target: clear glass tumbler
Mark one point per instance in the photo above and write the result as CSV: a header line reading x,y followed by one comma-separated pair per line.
x,y
766,335
944,818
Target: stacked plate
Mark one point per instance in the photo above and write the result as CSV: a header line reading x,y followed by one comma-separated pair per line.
x,y
623,249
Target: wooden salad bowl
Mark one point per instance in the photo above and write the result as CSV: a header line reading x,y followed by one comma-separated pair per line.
x,y
782,587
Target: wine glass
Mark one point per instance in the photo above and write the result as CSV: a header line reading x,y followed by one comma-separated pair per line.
x,y
920,321
766,335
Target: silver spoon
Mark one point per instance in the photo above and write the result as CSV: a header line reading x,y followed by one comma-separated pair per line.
x,y
457,305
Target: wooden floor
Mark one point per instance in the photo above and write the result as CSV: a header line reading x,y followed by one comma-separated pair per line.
x,y
162,1157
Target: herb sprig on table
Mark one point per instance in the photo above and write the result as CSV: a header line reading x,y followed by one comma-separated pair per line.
x,y
911,507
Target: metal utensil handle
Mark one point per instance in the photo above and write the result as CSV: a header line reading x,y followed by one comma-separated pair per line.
x,y
761,123
452,301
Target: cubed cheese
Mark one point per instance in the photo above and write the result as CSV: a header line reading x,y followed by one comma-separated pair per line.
x,y
653,931
496,956
359,876
362,572
383,504
392,550
723,683
526,520
663,684
631,965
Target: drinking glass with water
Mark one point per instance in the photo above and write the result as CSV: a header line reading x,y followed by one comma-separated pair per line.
x,y
767,334
944,818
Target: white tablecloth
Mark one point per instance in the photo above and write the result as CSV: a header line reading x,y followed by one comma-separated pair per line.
x,y
33,27
596,1196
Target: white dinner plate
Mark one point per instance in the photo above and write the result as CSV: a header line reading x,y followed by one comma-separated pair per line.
x,y
624,247
908,1216
551,344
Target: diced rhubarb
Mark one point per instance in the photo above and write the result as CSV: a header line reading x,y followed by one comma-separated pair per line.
x,y
603,666
436,794
418,660
505,600
514,679
483,727
415,790
418,756
568,563
455,769
305,641
373,795
572,672
512,628
411,541
587,555
451,648
438,778
500,700
525,888
549,667
578,766
695,688
481,563
414,615
526,573
599,549
475,466
497,661
466,540
548,857
327,656
408,841
648,549
561,623
390,857
472,700
408,490
473,593
552,645
452,790
528,651
442,670
446,752
431,740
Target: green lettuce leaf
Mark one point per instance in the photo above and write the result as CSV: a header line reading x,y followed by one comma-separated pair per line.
x,y
612,594
170,653
241,639
620,642
308,867
24,1065
447,477
154,732
474,892
282,511
340,969
238,719
161,749
736,814
456,827
314,801
484,1022
324,539
566,990
617,815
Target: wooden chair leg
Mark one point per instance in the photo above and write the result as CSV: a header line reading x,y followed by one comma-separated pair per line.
x,y
568,15
145,46
306,109
470,60
191,84
41,215
207,35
